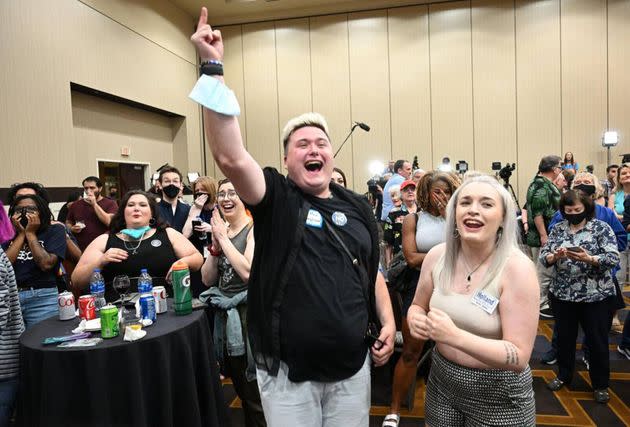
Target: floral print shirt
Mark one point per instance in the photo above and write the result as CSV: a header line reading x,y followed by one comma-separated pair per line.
x,y
578,281
542,200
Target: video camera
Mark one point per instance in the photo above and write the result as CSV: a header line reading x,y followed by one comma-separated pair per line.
x,y
506,171
374,182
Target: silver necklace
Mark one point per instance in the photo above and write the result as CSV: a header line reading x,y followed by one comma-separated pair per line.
x,y
134,250
470,272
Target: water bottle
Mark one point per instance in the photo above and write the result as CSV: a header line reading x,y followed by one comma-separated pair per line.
x,y
97,288
145,282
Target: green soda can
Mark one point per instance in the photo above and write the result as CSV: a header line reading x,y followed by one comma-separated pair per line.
x,y
181,289
109,321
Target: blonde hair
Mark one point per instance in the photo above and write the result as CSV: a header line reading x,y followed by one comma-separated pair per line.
x,y
507,238
599,190
304,120
394,190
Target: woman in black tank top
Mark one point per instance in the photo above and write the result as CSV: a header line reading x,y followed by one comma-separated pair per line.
x,y
139,239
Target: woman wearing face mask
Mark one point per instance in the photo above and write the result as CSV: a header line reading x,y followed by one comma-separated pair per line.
x,y
197,227
583,251
588,184
226,272
138,239
35,252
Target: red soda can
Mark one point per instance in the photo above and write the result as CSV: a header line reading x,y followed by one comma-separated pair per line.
x,y
65,300
87,307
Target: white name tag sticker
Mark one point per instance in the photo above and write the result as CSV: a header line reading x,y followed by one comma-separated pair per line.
x,y
314,219
486,302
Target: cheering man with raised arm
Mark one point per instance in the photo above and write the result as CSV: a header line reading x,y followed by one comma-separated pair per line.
x,y
314,287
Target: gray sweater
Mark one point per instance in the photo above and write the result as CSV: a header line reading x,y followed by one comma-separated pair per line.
x,y
11,323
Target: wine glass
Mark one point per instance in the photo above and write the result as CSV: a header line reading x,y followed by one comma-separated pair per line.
x,y
121,285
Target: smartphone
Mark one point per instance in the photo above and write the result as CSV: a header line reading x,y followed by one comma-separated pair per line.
x,y
23,218
196,223
574,249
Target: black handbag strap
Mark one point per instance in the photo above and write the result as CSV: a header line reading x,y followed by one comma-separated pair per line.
x,y
362,274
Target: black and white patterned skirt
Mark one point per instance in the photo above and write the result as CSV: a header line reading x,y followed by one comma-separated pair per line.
x,y
461,396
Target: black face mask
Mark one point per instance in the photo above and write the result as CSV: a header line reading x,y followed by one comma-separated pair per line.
x,y
171,191
575,219
585,188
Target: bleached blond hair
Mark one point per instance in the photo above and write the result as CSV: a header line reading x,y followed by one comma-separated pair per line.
x,y
303,120
506,241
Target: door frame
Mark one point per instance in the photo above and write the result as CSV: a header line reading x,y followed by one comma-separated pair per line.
x,y
147,169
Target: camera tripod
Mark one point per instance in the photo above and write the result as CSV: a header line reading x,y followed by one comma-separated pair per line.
x,y
510,189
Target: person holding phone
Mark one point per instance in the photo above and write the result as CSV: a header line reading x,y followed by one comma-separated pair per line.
x,y
583,251
197,227
35,253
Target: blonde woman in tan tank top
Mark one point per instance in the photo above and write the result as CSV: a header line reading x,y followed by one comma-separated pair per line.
x,y
477,298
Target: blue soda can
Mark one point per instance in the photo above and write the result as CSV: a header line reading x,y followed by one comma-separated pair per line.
x,y
147,307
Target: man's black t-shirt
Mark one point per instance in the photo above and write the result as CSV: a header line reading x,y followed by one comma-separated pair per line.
x,y
324,313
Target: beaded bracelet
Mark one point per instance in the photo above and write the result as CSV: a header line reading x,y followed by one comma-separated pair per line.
x,y
212,61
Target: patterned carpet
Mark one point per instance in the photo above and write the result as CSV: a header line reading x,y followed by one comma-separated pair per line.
x,y
568,407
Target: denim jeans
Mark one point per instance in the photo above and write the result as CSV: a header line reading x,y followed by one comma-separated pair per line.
x,y
38,304
8,392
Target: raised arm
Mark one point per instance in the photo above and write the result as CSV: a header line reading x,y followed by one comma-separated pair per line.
x,y
222,132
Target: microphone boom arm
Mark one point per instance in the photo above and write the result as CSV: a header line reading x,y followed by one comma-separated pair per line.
x,y
344,141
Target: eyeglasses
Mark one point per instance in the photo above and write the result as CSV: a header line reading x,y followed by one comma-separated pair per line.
x,y
230,195
29,209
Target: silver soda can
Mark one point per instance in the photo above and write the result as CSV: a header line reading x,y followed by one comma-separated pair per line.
x,y
67,311
159,294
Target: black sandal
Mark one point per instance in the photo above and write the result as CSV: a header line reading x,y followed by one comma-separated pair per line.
x,y
555,384
601,396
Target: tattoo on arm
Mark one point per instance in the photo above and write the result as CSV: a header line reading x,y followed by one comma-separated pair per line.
x,y
511,354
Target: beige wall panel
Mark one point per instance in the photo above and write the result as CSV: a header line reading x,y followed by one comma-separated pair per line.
x,y
537,85
330,80
234,78
584,98
293,58
451,82
494,84
369,91
410,84
102,127
261,93
618,76
146,17
79,44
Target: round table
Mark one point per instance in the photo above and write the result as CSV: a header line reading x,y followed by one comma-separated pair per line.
x,y
168,378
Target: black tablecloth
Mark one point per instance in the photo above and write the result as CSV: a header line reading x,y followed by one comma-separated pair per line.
x,y
168,378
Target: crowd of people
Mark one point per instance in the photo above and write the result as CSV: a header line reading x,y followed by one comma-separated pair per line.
x,y
300,272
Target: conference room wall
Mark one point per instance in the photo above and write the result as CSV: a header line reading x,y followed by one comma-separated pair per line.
x,y
140,52
480,80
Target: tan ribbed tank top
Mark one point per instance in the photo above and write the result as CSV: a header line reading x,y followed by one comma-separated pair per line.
x,y
462,311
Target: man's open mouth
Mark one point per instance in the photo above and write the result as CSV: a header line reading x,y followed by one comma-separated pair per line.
x,y
313,165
